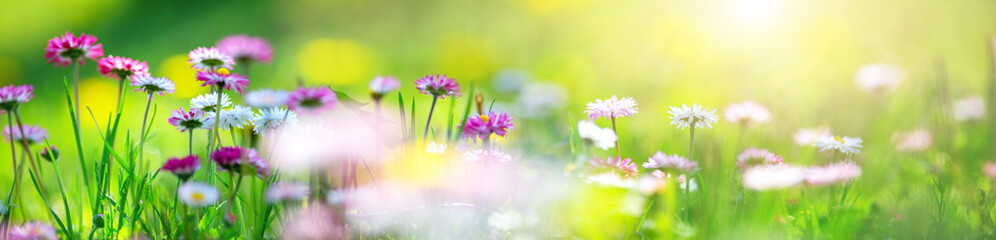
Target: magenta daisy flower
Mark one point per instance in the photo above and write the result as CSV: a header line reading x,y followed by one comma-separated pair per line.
x,y
237,159
63,50
438,86
245,48
121,67
190,120
12,96
312,100
32,231
184,167
672,163
626,168
224,79
382,85
33,133
611,108
209,59
755,156
49,153
482,126
153,85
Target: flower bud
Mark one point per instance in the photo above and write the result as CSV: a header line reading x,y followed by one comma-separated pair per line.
x,y
50,154
98,221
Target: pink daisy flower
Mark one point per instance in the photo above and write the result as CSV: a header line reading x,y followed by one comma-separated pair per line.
x,y
121,67
246,48
772,177
224,79
912,141
755,156
190,120
673,163
746,113
834,173
63,50
382,85
153,85
33,133
625,168
209,59
312,100
184,167
235,158
438,86
33,231
482,126
611,108
12,96
990,170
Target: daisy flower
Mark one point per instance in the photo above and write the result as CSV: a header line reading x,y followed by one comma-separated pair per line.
x,y
33,133
602,138
266,98
245,48
208,102
435,148
625,168
990,170
12,96
912,141
233,117
33,231
680,180
184,167
63,50
190,120
312,100
834,173
151,85
287,191
846,145
49,153
121,67
224,79
482,126
809,136
970,108
233,158
876,79
746,114
694,116
381,85
272,118
673,163
611,108
755,156
438,86
209,59
197,194
771,177
486,156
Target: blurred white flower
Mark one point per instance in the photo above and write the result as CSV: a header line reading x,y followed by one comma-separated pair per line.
x,y
541,99
511,80
197,194
208,102
809,136
603,138
435,148
834,173
506,220
272,118
694,116
746,114
846,145
287,191
877,79
912,141
770,177
970,108
266,98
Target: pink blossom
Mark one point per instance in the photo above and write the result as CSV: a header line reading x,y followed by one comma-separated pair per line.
x,y
755,156
833,173
33,133
482,126
673,163
611,108
439,86
246,48
184,167
233,81
312,100
121,67
912,141
63,50
625,168
11,96
746,113
190,120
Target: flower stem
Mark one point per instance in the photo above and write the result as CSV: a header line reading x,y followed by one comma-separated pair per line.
x,y
691,148
13,158
27,151
190,143
217,118
76,91
618,150
121,90
425,134
141,135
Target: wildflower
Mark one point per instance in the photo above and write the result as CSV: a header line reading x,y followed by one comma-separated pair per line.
x,y
770,177
33,231
151,85
990,170
33,133
381,85
625,168
68,48
486,156
833,173
435,148
603,138
680,180
224,80
272,118
12,96
197,194
438,86
754,156
238,159
49,153
808,137
233,117
912,141
266,98
541,99
209,59
877,79
970,108
611,108
673,163
285,191
121,68
746,114
694,116
245,48
846,145
208,102
482,126
190,120
184,167
312,100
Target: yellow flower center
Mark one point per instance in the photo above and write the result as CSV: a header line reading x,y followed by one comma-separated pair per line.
x,y
223,71
841,140
198,197
485,118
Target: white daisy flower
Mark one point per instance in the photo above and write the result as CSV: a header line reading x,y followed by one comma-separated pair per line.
x,y
846,145
435,148
209,59
235,116
271,118
207,102
770,177
287,191
694,116
197,194
602,138
150,85
266,98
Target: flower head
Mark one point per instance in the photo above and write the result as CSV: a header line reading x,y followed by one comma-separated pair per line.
x,y
64,50
272,118
287,191
770,177
694,116
746,113
149,84
246,48
680,180
970,108
33,231
611,108
482,126
435,148
49,153
233,117
834,173
672,163
197,194
846,145
184,167
755,156
603,138
625,168
266,98
240,160
912,141
33,133
877,79
486,156
208,102
121,67
190,120
990,170
439,86
312,100
809,136
381,85
223,79
12,96
209,59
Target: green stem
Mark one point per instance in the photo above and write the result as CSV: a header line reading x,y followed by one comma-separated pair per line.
x,y
428,122
141,135
27,151
616,132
